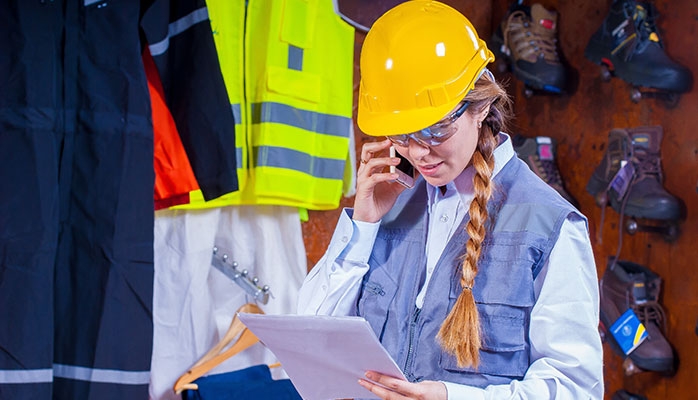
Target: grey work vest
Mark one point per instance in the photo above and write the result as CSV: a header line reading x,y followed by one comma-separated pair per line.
x,y
527,216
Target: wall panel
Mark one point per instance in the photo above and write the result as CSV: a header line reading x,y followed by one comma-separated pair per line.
x,y
580,122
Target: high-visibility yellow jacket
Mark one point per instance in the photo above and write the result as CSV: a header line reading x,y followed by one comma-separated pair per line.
x,y
288,70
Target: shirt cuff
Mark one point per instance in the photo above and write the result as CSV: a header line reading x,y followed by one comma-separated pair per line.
x,y
456,391
360,245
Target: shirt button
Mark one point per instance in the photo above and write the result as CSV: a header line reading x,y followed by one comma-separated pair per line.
x,y
444,218
324,288
345,239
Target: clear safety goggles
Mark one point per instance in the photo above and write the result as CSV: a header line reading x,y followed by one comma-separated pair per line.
x,y
435,134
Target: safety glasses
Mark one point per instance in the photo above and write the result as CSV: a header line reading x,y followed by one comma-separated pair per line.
x,y
435,134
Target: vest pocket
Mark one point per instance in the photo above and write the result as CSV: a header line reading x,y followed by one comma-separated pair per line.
x,y
504,351
377,293
503,306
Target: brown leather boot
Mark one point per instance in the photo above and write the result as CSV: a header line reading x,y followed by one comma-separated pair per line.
x,y
527,40
627,285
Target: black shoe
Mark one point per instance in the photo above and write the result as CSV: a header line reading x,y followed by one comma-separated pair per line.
x,y
628,43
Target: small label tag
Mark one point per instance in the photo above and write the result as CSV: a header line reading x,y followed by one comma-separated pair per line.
x,y
628,331
641,140
624,38
547,23
545,152
624,176
545,148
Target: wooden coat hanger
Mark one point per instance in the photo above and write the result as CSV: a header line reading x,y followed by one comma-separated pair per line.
x,y
215,356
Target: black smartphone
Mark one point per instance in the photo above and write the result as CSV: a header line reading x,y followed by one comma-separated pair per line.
x,y
405,170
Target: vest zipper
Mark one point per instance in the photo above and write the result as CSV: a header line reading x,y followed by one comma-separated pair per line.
x,y
410,347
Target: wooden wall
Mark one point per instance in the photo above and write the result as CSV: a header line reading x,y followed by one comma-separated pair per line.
x,y
580,123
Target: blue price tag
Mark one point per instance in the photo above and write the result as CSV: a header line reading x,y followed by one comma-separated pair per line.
x,y
628,331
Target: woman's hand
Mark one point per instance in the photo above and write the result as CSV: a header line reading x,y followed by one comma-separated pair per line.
x,y
389,388
375,191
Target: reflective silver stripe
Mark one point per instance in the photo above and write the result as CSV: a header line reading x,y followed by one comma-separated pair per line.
x,y
280,157
177,27
160,47
188,21
101,375
295,57
309,120
238,157
26,375
237,113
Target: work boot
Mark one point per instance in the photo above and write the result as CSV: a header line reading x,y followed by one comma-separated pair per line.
x,y
627,42
539,154
527,41
644,197
626,285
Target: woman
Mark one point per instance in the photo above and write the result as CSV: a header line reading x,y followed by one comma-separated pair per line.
x,y
480,280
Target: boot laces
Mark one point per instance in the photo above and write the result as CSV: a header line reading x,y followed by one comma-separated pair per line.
x,y
618,150
643,17
527,40
647,164
650,312
548,170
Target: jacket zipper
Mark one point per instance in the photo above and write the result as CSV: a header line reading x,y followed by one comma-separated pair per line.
x,y
410,347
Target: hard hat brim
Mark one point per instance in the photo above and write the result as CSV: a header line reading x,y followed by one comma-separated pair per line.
x,y
402,122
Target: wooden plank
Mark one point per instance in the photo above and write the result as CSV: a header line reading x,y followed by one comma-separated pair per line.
x,y
580,123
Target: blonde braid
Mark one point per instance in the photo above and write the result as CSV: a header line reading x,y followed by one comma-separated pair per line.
x,y
460,332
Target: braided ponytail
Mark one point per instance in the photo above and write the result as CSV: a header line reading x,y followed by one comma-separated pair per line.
x,y
460,333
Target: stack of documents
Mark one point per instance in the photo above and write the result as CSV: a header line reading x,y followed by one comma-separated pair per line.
x,y
323,356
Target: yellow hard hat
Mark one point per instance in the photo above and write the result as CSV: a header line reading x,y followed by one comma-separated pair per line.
x,y
418,61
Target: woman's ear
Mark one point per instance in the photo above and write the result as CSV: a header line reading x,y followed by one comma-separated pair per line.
x,y
480,117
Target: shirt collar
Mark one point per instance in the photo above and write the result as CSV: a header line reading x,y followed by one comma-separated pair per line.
x,y
464,182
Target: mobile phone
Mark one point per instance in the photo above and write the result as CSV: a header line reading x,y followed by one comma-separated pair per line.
x,y
404,170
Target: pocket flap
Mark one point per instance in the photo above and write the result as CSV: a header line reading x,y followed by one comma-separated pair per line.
x,y
300,85
298,22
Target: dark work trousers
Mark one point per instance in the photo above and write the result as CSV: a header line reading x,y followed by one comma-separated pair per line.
x,y
77,182
253,383
76,219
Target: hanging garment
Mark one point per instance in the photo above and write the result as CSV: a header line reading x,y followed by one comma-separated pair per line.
x,y
174,178
178,34
288,67
76,203
193,302
252,383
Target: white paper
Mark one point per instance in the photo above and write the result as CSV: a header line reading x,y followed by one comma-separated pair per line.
x,y
323,356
